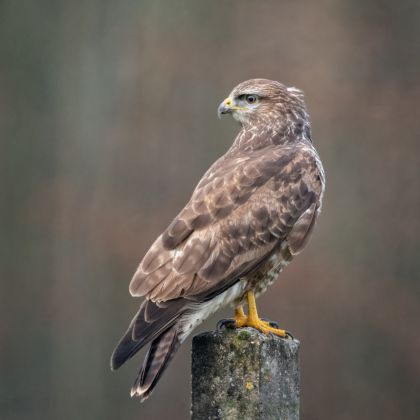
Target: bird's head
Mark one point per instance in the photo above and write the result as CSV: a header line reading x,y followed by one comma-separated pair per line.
x,y
263,101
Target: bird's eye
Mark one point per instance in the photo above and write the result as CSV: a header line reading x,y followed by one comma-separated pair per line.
x,y
251,99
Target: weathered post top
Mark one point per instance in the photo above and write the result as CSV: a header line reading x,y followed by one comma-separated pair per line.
x,y
244,374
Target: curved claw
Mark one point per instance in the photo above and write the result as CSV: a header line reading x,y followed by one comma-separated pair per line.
x,y
225,323
289,335
273,324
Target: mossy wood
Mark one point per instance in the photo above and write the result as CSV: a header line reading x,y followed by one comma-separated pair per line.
x,y
244,374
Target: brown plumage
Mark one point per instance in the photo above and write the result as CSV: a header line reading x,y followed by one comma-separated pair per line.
x,y
251,212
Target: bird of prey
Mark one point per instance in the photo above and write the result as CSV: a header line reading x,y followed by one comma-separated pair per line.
x,y
252,211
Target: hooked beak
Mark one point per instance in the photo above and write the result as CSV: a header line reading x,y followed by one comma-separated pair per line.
x,y
226,107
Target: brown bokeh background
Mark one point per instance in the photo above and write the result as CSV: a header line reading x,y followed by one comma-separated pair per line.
x,y
108,120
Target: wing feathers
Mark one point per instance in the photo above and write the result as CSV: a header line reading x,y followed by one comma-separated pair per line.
x,y
193,254
241,208
151,320
125,349
301,231
215,267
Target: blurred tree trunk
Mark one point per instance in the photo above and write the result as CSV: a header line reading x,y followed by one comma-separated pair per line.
x,y
87,60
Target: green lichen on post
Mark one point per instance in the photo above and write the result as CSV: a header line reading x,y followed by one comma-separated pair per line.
x,y
244,374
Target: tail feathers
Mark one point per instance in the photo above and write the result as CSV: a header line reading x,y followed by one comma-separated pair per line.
x,y
161,352
149,323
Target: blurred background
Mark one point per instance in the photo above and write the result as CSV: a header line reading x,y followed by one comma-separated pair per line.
x,y
107,122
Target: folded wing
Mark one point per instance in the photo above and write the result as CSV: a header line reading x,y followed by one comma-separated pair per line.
x,y
236,214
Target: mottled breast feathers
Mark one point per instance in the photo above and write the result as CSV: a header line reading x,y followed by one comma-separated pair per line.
x,y
245,205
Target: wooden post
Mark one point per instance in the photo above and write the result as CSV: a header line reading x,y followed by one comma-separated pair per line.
x,y
244,374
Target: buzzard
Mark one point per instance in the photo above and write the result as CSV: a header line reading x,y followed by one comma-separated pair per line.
x,y
252,211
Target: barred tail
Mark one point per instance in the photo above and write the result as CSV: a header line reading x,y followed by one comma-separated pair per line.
x,y
161,352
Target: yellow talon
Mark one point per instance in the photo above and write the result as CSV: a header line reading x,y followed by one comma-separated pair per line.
x,y
253,320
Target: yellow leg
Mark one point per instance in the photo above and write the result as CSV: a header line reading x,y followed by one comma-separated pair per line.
x,y
253,320
240,317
